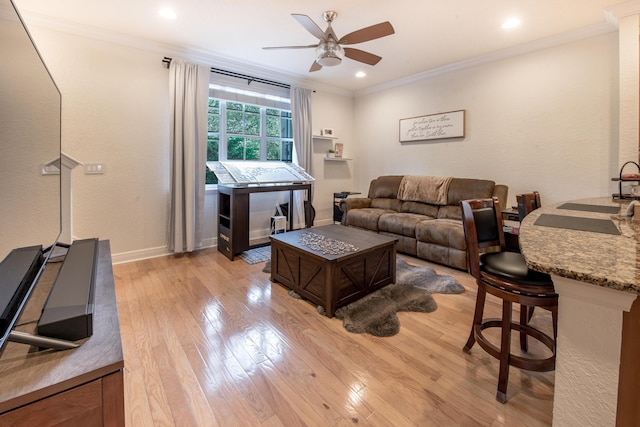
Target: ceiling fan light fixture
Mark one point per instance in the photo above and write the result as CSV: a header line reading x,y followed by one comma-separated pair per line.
x,y
329,53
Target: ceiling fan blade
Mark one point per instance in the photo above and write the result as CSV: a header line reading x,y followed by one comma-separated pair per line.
x,y
315,67
361,56
369,33
309,25
291,47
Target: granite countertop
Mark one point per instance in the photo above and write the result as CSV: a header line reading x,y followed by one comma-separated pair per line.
x,y
599,258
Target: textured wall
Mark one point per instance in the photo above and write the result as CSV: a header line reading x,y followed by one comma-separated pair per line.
x,y
629,88
335,112
115,110
588,358
543,121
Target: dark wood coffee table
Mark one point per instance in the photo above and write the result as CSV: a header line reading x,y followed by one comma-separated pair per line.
x,y
333,280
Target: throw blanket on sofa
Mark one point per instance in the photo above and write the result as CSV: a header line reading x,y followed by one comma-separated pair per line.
x,y
426,189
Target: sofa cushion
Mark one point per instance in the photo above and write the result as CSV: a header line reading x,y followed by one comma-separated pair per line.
x,y
366,218
404,244
403,224
385,186
450,212
443,232
387,204
468,188
442,255
420,208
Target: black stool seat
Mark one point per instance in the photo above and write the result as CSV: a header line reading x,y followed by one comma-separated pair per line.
x,y
511,266
506,276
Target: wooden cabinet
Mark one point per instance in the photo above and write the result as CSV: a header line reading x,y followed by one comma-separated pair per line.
x,y
79,387
233,221
97,403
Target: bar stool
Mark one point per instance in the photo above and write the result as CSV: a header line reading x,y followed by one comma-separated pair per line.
x,y
506,276
527,203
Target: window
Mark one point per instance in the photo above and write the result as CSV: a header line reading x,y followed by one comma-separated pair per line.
x,y
242,131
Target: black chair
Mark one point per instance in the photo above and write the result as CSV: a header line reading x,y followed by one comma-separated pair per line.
x,y
506,276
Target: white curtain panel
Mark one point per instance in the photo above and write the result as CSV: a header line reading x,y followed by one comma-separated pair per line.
x,y
303,148
188,92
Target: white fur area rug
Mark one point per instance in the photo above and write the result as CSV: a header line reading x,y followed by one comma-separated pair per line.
x,y
375,313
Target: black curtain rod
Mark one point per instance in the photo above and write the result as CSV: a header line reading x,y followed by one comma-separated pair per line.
x,y
249,79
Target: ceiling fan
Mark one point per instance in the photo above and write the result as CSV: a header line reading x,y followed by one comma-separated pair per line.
x,y
329,51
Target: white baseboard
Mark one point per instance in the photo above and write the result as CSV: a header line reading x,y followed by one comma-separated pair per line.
x,y
138,255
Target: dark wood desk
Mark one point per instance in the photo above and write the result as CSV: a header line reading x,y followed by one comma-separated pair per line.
x,y
83,386
234,208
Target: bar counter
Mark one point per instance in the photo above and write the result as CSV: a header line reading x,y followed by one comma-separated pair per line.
x,y
591,251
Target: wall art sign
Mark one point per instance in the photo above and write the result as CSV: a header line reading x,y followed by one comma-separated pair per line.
x,y
432,126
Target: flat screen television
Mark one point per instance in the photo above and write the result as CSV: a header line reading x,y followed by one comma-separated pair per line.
x,y
30,136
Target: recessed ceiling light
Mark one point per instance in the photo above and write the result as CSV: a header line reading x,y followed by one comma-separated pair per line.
x,y
167,13
511,23
361,74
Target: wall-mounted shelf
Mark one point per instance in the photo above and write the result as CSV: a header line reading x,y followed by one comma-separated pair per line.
x,y
337,159
325,138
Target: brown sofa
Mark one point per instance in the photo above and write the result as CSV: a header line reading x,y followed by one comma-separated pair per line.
x,y
422,212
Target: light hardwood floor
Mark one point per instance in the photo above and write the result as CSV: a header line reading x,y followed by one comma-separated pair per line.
x,y
212,342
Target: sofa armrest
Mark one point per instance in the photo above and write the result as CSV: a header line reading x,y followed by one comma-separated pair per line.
x,y
353,203
501,192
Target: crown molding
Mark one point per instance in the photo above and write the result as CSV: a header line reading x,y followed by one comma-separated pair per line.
x,y
201,56
621,10
548,42
612,15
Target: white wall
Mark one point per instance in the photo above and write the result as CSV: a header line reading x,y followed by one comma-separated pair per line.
x,y
543,121
115,110
29,139
334,112
629,51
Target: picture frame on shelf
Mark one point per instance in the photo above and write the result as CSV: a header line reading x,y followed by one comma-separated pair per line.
x,y
338,148
326,132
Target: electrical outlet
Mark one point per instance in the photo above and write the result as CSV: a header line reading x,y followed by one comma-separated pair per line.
x,y
93,168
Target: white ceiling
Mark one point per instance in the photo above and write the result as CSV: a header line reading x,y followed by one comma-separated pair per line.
x,y
429,34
